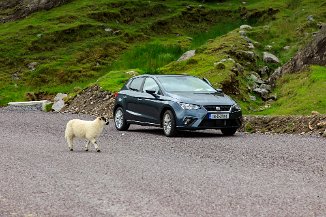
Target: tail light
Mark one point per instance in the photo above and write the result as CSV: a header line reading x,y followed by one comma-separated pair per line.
x,y
115,95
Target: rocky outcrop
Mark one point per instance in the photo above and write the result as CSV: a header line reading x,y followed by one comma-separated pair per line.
x,y
313,54
16,9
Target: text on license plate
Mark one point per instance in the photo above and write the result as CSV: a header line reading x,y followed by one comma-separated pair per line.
x,y
218,116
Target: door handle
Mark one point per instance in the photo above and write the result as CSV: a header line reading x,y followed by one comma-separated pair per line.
x,y
139,99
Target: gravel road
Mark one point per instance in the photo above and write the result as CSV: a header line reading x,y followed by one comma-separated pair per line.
x,y
143,173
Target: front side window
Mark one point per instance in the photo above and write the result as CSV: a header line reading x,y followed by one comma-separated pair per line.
x,y
150,84
136,84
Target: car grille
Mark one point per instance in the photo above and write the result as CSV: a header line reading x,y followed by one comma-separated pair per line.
x,y
212,108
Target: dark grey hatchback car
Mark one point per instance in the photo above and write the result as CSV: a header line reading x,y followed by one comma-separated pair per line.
x,y
175,102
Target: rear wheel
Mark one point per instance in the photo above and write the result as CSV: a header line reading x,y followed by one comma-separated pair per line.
x,y
119,120
229,131
168,122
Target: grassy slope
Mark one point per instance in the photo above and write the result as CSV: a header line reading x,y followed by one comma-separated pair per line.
x,y
301,93
73,49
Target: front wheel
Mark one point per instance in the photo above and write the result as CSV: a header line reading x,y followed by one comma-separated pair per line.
x,y
168,122
119,120
229,131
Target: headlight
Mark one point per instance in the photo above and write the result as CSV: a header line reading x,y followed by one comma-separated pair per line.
x,y
188,106
236,108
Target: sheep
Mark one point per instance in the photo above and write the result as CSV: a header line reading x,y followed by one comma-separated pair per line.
x,y
89,130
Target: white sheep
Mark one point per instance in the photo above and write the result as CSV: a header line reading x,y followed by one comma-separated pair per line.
x,y
89,130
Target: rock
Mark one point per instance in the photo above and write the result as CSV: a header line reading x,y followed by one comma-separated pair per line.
x,y
313,54
250,55
16,9
262,92
132,73
276,74
187,55
266,87
237,68
310,18
315,113
264,71
286,48
251,46
255,78
270,58
219,65
321,124
59,102
245,27
32,66
252,98
242,33
247,39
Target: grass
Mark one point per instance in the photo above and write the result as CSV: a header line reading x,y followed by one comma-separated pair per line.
x,y
301,93
82,43
148,57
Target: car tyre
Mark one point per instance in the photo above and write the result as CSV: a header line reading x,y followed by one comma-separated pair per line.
x,y
229,131
168,123
119,120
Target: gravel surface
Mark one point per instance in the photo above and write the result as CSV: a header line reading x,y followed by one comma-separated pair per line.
x,y
143,173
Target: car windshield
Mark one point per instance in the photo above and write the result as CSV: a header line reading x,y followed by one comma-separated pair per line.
x,y
184,83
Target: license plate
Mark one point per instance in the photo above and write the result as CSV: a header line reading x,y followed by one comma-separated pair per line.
x,y
218,116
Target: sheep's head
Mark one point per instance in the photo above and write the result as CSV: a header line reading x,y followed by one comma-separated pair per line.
x,y
106,121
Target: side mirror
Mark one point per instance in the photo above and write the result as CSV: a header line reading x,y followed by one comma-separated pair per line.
x,y
219,90
152,92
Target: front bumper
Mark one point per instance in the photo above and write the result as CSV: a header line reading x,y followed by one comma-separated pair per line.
x,y
199,119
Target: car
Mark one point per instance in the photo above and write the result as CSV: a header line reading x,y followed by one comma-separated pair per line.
x,y
174,103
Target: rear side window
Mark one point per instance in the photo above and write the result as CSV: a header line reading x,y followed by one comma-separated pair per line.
x,y
136,84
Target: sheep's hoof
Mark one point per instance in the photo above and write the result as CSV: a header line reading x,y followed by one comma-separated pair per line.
x,y
98,150
86,149
71,149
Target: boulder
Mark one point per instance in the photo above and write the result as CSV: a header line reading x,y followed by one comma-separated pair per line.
x,y
59,102
187,55
270,58
262,92
245,27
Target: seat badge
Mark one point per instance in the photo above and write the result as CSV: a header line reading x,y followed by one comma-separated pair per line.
x,y
218,108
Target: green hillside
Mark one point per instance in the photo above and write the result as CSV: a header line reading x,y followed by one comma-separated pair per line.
x,y
82,42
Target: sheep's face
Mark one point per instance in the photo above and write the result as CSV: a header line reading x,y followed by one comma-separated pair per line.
x,y
106,121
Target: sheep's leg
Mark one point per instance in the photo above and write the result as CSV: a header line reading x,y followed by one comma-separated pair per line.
x,y
87,145
95,145
70,143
